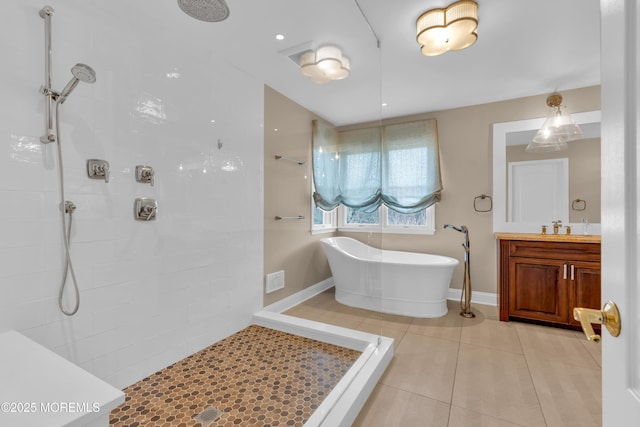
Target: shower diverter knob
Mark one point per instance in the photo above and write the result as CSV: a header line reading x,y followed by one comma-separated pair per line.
x,y
145,174
145,209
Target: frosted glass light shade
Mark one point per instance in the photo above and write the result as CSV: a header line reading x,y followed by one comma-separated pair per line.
x,y
453,28
556,131
325,64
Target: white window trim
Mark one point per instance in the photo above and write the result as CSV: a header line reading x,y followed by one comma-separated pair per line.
x,y
330,227
429,228
330,221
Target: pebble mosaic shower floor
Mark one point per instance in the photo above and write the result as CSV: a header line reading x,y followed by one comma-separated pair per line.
x,y
256,377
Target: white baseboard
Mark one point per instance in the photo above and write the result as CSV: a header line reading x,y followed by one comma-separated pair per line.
x,y
485,298
292,300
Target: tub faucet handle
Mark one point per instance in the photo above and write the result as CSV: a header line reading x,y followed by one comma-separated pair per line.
x,y
556,226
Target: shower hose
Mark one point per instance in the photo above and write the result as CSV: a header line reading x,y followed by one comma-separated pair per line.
x,y
65,207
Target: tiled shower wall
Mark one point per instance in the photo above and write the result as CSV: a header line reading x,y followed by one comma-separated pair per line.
x,y
151,293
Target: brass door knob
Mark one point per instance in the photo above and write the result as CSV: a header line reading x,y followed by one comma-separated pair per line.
x,y
609,316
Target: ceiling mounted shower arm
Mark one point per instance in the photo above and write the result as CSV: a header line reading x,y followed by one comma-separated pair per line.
x,y
49,136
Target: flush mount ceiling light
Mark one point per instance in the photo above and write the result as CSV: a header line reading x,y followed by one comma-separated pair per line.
x,y
557,129
325,64
452,28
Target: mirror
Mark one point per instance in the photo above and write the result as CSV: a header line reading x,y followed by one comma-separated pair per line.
x,y
517,207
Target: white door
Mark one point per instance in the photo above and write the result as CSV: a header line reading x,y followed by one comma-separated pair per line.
x,y
620,210
539,191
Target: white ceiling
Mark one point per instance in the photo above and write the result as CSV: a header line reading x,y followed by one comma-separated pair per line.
x,y
524,48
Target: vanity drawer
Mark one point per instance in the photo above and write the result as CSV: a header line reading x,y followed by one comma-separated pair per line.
x,y
555,250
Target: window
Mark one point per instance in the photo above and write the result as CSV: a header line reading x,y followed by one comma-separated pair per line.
x,y
394,169
386,220
323,221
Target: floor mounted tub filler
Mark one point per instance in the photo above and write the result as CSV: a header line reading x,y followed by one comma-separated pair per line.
x,y
404,283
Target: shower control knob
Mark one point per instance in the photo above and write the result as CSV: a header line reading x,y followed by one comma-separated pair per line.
x,y
98,169
145,174
145,209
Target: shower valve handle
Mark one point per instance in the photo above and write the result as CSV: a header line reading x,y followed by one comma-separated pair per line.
x,y
145,174
98,169
101,171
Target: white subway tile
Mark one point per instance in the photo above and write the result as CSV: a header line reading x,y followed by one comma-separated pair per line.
x,y
150,292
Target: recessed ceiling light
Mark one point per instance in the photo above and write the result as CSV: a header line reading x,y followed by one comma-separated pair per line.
x,y
213,121
276,129
279,37
384,104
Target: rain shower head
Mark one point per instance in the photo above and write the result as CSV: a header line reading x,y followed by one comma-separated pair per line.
x,y
205,10
81,72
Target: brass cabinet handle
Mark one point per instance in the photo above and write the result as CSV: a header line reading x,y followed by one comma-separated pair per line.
x,y
609,316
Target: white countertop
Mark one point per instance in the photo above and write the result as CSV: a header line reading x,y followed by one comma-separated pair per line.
x,y
41,388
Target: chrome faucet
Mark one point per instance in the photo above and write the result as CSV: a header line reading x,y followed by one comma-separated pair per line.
x,y
556,225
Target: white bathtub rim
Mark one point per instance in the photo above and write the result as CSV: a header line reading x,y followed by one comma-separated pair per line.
x,y
442,261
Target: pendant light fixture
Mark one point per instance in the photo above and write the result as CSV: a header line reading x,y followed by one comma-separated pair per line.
x,y
325,64
452,28
558,129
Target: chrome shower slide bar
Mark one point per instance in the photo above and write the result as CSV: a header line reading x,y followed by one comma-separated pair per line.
x,y
49,136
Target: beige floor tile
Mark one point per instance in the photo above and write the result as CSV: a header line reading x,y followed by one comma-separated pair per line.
x,y
496,383
492,334
388,406
461,417
554,344
446,327
395,333
423,365
486,311
389,320
594,349
304,312
569,395
508,373
325,316
341,319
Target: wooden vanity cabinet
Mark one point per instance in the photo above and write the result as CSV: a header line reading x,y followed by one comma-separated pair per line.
x,y
544,280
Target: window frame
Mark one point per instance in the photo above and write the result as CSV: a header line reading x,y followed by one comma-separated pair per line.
x,y
329,219
329,224
384,227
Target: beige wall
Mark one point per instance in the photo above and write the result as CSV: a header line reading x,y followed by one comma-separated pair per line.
x,y
465,136
289,245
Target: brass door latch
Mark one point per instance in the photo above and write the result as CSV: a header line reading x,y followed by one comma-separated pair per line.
x,y
609,316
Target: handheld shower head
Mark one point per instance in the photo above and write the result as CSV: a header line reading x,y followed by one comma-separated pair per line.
x,y
81,72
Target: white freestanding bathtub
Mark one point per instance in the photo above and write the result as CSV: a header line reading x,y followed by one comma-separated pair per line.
x,y
405,283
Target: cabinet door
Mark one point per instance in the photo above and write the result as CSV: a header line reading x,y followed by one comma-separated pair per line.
x,y
538,289
585,287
